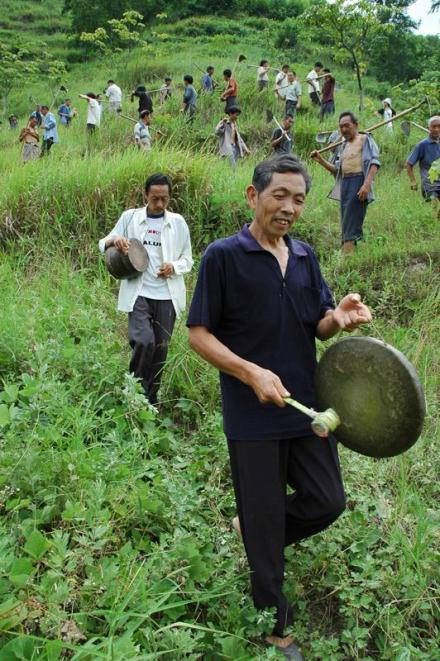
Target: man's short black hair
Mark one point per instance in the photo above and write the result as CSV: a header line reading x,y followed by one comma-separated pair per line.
x,y
44,106
167,78
210,68
348,113
288,116
92,95
110,81
227,72
285,66
263,62
159,179
318,64
188,78
144,113
326,70
265,170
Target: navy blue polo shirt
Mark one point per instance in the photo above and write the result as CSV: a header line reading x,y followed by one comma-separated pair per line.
x,y
242,298
425,153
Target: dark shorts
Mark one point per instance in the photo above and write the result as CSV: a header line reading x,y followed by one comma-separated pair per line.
x,y
230,101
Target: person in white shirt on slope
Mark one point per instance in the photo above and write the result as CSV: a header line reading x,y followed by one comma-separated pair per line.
x,y
156,297
114,96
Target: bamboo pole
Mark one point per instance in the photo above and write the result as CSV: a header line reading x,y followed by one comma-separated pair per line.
x,y
375,126
419,126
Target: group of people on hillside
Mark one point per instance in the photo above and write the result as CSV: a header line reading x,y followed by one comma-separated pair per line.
x,y
354,163
43,118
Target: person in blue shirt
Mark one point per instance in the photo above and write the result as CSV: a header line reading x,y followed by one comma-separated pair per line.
x,y
37,115
50,136
259,304
425,153
65,113
207,81
189,98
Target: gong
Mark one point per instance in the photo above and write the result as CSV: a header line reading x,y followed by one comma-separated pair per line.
x,y
376,393
127,266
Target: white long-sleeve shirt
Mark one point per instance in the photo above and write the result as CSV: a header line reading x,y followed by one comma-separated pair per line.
x,y
114,95
176,248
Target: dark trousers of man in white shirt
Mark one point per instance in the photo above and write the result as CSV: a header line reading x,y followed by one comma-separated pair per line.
x,y
150,326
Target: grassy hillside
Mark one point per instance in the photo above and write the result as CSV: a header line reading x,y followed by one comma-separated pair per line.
x,y
35,21
115,537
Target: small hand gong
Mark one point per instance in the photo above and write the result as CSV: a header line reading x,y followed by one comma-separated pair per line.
x,y
376,393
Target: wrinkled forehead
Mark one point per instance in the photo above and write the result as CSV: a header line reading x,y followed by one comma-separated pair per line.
x,y
346,122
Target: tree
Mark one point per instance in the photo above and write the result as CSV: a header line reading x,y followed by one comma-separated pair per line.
x,y
87,16
119,34
16,63
350,27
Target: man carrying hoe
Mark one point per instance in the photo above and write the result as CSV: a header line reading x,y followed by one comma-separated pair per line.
x,y
355,171
157,296
259,303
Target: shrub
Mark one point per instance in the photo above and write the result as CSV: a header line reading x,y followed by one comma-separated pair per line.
x,y
287,35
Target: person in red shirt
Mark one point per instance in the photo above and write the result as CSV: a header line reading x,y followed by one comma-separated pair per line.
x,y
328,95
231,91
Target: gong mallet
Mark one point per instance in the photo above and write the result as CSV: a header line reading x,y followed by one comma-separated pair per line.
x,y
270,117
376,126
323,421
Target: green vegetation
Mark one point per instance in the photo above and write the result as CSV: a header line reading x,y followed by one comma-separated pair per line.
x,y
116,540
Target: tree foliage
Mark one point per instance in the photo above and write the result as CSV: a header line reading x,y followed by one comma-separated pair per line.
x,y
20,62
119,34
350,27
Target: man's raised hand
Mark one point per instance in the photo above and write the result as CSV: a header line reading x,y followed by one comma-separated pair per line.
x,y
351,313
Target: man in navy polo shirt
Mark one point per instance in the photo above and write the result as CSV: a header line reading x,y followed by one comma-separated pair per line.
x,y
425,153
259,303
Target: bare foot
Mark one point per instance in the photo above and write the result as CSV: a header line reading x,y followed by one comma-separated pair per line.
x,y
280,642
348,247
236,526
288,648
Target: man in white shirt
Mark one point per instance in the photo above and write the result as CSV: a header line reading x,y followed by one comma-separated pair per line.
x,y
93,112
157,296
114,96
281,80
313,84
263,75
292,94
142,135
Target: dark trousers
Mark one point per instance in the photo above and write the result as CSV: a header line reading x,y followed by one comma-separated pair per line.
x,y
270,519
315,98
291,107
353,211
150,327
327,108
46,146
